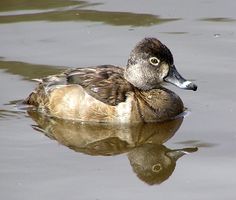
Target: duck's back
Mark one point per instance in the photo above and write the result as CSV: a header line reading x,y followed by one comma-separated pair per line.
x,y
86,94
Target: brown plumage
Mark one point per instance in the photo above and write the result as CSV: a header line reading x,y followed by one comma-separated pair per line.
x,y
105,83
109,93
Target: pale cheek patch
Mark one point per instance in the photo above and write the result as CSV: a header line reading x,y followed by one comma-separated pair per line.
x,y
164,70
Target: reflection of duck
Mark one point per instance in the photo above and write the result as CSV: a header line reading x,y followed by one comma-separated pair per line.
x,y
102,138
113,94
152,161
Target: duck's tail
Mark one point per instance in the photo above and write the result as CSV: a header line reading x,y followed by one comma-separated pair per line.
x,y
40,96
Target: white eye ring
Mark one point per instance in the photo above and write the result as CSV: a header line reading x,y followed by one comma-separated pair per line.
x,y
157,168
154,61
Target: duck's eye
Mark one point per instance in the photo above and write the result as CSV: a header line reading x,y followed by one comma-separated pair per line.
x,y
157,167
154,61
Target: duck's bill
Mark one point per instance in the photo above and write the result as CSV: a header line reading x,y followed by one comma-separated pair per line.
x,y
175,78
178,153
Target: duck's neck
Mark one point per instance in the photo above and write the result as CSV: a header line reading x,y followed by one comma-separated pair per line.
x,y
139,78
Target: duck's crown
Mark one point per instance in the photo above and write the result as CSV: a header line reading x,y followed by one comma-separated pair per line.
x,y
150,47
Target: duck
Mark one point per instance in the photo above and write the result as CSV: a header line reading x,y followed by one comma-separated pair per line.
x,y
114,94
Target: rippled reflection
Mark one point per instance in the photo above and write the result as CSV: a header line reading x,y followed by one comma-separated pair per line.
x,y
150,159
4,114
107,17
219,19
11,5
61,10
29,71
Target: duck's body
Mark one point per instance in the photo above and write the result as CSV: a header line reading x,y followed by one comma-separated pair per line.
x,y
113,94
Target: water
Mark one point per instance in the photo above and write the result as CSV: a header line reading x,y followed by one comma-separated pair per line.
x,y
44,37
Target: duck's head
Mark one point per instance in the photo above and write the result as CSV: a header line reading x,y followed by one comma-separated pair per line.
x,y
150,64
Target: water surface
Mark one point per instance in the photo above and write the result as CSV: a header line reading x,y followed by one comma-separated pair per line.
x,y
45,159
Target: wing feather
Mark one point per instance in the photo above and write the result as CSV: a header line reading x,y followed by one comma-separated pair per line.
x,y
105,83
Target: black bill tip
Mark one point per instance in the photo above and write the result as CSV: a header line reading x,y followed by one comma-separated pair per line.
x,y
191,86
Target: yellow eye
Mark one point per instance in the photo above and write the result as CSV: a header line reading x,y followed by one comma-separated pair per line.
x,y
154,61
157,167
